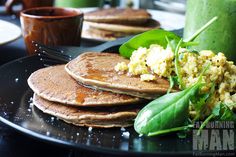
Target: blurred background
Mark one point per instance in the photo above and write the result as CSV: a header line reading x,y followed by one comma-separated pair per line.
x,y
177,6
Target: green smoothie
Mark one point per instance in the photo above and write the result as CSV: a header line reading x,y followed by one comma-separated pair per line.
x,y
78,3
221,35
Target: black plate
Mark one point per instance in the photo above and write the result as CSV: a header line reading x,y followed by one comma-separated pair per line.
x,y
16,111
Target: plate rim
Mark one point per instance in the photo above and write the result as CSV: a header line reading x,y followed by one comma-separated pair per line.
x,y
105,150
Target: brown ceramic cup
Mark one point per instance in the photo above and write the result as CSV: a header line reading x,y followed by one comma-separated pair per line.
x,y
51,26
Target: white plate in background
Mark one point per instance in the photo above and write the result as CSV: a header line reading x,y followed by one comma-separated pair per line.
x,y
168,20
8,32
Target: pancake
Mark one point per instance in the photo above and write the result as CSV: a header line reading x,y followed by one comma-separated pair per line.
x,y
99,34
54,84
97,71
150,24
103,118
118,15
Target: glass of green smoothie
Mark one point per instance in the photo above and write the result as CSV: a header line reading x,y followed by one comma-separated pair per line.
x,y
78,3
221,35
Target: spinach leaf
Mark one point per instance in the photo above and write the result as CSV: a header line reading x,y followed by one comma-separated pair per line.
x,y
177,66
199,31
167,112
200,100
221,112
158,36
181,128
155,36
173,81
171,43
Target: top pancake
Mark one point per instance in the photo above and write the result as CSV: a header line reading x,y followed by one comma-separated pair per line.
x,y
54,84
119,16
97,70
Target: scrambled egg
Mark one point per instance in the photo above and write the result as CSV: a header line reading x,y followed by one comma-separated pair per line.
x,y
121,67
155,61
160,63
147,77
137,64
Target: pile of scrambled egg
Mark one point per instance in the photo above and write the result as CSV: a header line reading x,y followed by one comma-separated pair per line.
x,y
155,61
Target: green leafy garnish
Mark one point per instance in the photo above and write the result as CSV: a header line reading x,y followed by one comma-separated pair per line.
x,y
165,113
173,81
200,100
158,36
181,128
168,113
199,31
221,112
177,66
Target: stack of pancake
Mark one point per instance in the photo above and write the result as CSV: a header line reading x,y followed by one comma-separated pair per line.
x,y
87,91
112,23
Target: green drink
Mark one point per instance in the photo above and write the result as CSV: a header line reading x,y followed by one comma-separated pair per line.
x,y
221,35
78,3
